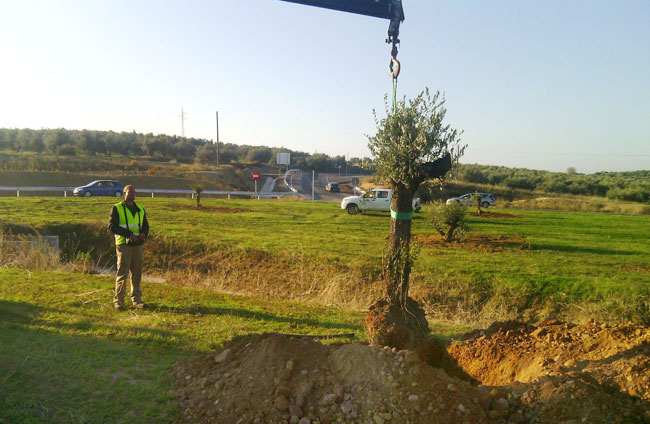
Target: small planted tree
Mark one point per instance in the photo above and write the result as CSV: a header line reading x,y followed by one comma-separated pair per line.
x,y
477,200
449,220
412,144
198,189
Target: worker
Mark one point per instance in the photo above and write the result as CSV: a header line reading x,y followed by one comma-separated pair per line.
x,y
131,228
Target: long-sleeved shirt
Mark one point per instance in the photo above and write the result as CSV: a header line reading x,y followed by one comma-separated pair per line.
x,y
114,224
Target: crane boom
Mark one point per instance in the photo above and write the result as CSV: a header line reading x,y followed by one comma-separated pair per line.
x,y
386,9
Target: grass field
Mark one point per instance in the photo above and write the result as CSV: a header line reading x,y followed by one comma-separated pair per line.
x,y
530,264
67,356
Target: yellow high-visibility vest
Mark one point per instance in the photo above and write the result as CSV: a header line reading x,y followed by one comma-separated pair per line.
x,y
129,221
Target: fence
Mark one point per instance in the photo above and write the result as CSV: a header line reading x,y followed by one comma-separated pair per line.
x,y
69,190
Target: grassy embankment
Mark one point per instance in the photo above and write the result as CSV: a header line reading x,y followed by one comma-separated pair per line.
x,y
141,173
534,265
534,200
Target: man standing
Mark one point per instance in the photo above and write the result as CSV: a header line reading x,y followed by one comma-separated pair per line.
x,y
131,228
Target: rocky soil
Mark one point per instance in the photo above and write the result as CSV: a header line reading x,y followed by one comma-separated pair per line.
x,y
513,373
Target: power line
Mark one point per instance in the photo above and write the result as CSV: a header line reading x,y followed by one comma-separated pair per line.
x,y
183,114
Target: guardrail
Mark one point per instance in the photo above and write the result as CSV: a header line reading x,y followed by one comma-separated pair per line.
x,y
291,172
228,193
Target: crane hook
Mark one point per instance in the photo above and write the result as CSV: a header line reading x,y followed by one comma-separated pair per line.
x,y
394,65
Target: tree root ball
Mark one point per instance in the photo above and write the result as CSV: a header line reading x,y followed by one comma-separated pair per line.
x,y
388,324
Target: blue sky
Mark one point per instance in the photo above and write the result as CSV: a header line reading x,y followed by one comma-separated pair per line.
x,y
534,84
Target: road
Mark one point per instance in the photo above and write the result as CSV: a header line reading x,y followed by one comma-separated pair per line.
x,y
302,183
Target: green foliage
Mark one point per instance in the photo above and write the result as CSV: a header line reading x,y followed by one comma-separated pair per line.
x,y
410,136
449,220
398,264
197,187
630,186
160,147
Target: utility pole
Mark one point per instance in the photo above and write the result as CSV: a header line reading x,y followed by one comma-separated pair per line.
x,y
182,123
217,139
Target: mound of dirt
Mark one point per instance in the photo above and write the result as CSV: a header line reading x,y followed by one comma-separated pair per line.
x,y
557,373
589,373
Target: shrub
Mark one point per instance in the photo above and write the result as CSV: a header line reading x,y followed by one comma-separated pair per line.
x,y
449,220
66,150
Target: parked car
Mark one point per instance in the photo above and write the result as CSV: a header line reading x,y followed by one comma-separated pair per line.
x,y
100,188
333,188
486,200
377,199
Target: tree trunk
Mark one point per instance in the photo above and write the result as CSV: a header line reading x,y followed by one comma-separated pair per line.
x,y
198,199
398,320
450,233
397,268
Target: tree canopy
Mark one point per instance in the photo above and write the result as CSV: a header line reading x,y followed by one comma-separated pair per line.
x,y
411,135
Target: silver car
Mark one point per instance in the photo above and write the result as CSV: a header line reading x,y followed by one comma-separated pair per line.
x,y
486,200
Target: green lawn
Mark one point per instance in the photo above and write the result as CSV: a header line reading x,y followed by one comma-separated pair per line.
x,y
562,256
67,356
63,360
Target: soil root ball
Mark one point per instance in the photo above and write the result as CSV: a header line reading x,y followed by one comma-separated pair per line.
x,y
388,324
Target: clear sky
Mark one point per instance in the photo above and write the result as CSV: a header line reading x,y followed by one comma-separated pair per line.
x,y
537,84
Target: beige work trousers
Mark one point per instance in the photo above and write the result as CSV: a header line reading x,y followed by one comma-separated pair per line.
x,y
129,259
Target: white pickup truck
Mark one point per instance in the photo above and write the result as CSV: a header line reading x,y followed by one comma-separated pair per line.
x,y
377,199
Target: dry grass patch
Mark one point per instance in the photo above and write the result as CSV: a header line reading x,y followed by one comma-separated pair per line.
x,y
28,253
580,204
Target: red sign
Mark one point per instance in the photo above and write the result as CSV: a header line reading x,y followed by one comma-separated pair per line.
x,y
256,175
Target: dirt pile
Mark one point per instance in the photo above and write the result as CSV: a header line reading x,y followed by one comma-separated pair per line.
x,y
557,373
590,373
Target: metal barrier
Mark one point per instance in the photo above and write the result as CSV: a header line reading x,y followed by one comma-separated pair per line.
x,y
290,173
34,241
228,193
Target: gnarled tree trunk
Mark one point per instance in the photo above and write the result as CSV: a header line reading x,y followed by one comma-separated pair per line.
x,y
398,262
398,320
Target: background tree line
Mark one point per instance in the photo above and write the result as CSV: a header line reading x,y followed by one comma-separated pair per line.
x,y
166,148
630,186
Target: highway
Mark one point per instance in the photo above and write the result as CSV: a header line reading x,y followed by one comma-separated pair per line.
x,y
302,182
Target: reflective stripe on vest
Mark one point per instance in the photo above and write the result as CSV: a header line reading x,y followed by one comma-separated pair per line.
x,y
128,221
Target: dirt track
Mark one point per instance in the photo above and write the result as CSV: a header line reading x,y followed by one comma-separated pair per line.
x,y
514,373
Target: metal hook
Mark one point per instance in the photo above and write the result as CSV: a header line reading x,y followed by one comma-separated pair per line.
x,y
394,65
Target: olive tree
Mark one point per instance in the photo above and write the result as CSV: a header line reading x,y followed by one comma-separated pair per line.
x,y
198,189
449,220
412,144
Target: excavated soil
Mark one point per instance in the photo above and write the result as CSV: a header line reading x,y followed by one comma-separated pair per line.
x,y
482,242
554,373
